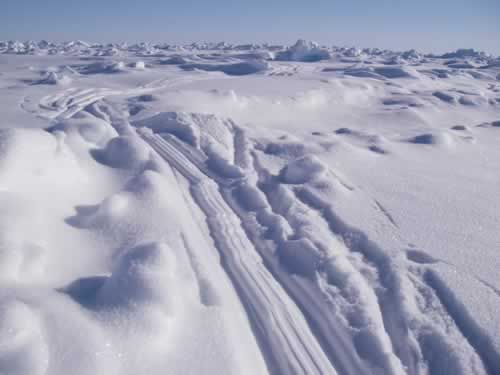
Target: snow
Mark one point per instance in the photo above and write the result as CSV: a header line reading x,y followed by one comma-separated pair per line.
x,y
303,169
303,51
236,69
216,208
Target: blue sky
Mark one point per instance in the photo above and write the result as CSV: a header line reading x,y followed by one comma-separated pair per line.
x,y
427,25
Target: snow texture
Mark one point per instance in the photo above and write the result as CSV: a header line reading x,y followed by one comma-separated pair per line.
x,y
218,208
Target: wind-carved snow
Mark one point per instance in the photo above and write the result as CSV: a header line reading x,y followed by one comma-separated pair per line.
x,y
248,209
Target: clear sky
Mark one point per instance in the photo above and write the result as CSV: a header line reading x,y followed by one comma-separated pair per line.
x,y
427,25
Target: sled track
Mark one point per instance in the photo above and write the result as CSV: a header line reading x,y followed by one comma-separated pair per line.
x,y
65,104
295,319
281,326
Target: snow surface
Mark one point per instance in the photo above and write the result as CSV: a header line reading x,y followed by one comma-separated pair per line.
x,y
248,209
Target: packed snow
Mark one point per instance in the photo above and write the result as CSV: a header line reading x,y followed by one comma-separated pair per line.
x,y
215,208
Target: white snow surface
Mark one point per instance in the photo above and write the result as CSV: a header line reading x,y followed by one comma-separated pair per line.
x,y
248,209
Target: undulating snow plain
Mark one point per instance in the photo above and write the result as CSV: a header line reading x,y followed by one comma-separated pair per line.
x,y
248,209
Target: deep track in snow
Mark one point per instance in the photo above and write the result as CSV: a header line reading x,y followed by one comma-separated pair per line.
x,y
281,326
296,320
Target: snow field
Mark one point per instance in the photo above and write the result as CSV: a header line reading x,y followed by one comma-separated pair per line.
x,y
248,210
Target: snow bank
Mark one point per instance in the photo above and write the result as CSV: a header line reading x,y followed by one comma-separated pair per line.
x,y
305,51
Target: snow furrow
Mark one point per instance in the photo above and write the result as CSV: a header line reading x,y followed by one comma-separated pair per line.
x,y
259,289
468,327
320,310
368,312
406,317
171,154
69,102
335,340
294,349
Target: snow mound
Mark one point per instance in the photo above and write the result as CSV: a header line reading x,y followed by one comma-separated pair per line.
x,y
300,257
102,67
396,71
236,69
256,55
302,170
52,78
460,127
127,152
408,101
463,53
138,65
137,214
89,129
289,148
209,133
445,97
383,72
175,60
251,198
433,139
472,100
460,65
222,163
479,75
373,142
145,98
140,275
362,73
180,124
411,55
352,52
305,51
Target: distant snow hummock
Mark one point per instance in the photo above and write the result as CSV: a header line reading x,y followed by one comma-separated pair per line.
x,y
303,51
